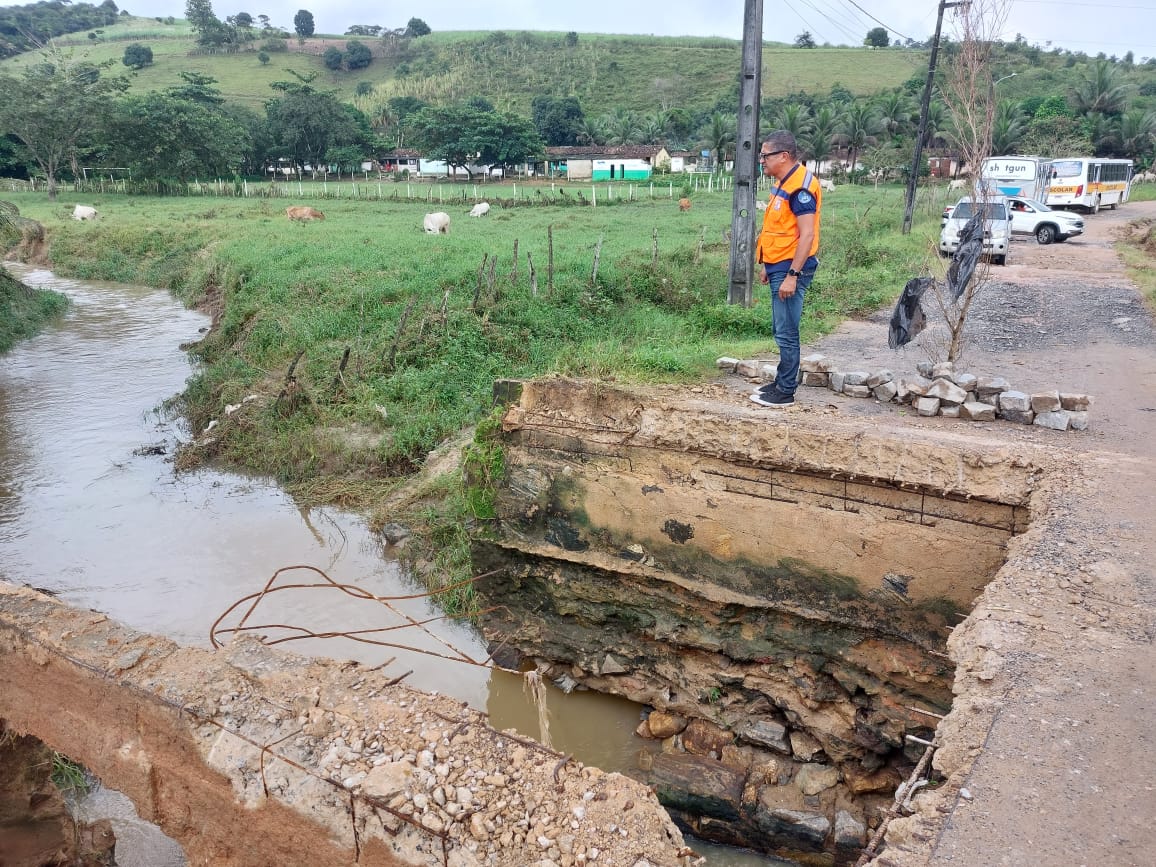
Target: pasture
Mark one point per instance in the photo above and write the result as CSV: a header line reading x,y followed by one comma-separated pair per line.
x,y
638,293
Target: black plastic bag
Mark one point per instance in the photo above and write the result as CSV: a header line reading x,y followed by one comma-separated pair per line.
x,y
962,267
908,319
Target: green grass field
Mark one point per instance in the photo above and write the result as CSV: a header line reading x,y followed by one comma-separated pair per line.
x,y
605,71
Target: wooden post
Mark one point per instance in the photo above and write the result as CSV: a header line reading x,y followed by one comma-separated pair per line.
x,y
533,275
747,166
597,257
400,331
550,259
514,267
654,255
481,273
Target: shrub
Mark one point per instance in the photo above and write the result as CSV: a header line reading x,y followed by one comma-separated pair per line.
x,y
332,58
275,44
263,56
137,56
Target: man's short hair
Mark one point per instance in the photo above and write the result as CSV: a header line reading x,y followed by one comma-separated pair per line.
x,y
782,140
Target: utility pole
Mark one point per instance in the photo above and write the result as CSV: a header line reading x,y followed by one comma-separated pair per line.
x,y
913,179
747,166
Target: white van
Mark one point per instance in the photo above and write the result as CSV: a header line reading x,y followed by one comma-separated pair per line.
x,y
997,227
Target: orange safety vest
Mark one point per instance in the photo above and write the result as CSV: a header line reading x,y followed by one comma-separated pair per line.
x,y
780,235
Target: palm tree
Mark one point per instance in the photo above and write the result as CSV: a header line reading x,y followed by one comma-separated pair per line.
x,y
820,141
860,127
652,128
621,127
1138,134
720,136
895,111
937,123
1101,91
795,118
1009,127
591,131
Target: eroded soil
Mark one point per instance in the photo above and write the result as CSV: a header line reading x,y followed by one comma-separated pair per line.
x,y
1048,754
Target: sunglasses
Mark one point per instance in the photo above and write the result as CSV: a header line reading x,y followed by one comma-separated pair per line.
x,y
764,154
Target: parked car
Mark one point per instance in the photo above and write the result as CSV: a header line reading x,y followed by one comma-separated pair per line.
x,y
1030,217
996,227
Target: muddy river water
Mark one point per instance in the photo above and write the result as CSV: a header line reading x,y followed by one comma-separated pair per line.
x,y
91,510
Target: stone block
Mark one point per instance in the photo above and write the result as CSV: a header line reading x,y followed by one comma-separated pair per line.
x,y
849,832
879,377
916,385
663,725
703,738
856,390
804,746
1014,401
989,399
966,381
923,368
748,367
885,391
727,364
947,391
976,411
1019,416
814,379
1079,420
835,382
791,827
766,733
1059,419
927,406
768,372
945,369
986,386
1075,402
697,785
1046,401
949,410
855,377
814,778
815,363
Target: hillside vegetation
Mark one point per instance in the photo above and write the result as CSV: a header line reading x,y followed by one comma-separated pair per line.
x,y
636,73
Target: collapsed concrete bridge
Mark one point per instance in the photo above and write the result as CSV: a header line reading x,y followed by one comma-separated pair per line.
x,y
779,591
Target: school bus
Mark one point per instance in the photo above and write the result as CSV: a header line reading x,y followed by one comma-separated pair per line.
x,y
1089,183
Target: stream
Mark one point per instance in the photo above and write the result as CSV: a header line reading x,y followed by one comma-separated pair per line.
x,y
92,511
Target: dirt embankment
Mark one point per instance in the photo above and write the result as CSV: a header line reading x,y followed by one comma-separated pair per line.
x,y
1048,751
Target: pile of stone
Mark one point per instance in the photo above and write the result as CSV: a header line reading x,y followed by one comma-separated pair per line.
x,y
936,389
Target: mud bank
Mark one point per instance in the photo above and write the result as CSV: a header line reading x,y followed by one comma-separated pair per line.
x,y
781,592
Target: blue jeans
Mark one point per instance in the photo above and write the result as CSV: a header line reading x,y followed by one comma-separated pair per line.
x,y
786,316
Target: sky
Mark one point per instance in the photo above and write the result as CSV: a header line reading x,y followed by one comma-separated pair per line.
x,y
1113,26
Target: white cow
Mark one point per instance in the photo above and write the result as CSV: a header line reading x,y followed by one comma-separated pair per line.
x,y
480,209
957,184
84,212
826,184
1145,177
437,223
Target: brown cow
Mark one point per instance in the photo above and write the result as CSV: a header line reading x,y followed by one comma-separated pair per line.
x,y
684,204
302,213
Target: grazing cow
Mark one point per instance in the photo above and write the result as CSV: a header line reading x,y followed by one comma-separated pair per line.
x,y
302,213
84,212
684,204
480,209
826,184
437,223
1144,178
957,184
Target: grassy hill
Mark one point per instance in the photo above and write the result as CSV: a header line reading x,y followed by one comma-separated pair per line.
x,y
606,72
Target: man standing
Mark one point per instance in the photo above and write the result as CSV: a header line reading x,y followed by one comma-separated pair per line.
x,y
786,249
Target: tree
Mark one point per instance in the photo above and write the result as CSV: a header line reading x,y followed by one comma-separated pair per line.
x,y
462,136
177,135
571,39
357,55
557,119
332,58
1101,91
304,124
263,57
137,56
61,103
720,136
877,37
805,40
861,125
415,27
794,117
820,142
1008,129
302,23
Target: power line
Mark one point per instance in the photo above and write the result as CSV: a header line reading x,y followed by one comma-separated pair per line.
x,y
877,21
848,32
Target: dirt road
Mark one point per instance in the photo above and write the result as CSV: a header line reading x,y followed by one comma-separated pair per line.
x,y
1050,752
